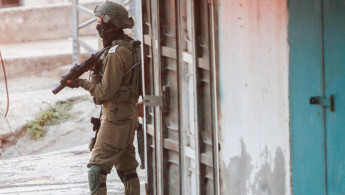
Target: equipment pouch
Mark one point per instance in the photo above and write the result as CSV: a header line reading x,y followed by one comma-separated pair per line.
x,y
121,112
96,123
123,94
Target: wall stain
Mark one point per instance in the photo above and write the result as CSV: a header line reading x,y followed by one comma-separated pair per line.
x,y
268,181
239,170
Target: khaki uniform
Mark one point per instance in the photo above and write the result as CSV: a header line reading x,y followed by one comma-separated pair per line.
x,y
119,120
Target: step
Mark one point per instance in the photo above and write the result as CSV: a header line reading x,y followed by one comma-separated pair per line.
x,y
30,57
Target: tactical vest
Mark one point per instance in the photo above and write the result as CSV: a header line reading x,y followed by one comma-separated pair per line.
x,y
133,89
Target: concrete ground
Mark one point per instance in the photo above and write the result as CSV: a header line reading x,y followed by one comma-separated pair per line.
x,y
59,172
55,163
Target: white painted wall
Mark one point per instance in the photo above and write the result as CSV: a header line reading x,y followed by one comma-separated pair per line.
x,y
254,115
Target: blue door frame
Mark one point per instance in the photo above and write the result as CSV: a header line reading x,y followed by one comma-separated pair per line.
x,y
317,69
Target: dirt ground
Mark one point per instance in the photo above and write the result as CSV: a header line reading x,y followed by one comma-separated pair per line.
x,y
55,163
30,95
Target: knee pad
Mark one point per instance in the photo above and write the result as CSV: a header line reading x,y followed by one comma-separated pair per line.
x,y
93,177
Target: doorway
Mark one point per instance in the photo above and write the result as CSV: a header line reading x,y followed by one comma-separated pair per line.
x,y
317,96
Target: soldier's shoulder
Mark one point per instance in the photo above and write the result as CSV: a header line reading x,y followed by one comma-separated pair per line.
x,y
119,49
113,49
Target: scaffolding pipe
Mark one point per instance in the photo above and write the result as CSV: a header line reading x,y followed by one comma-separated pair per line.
x,y
87,23
75,19
76,8
85,10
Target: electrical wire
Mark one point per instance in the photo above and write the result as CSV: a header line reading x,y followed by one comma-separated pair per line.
x,y
8,97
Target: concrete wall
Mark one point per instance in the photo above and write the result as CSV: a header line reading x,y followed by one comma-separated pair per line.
x,y
46,2
41,2
254,116
24,24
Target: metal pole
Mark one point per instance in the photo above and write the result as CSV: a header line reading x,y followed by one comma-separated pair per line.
x,y
85,10
195,91
158,92
143,90
75,19
214,98
182,134
87,23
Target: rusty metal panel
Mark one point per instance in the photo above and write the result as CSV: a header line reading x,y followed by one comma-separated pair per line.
x,y
189,159
194,138
162,41
181,136
170,124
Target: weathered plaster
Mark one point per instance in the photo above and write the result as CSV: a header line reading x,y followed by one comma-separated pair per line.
x,y
269,180
239,169
254,123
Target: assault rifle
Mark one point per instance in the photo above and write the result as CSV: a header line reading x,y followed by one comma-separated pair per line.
x,y
77,70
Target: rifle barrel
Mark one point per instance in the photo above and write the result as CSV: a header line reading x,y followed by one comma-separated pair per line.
x,y
58,88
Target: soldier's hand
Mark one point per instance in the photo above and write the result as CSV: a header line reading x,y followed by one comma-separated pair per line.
x,y
96,77
140,107
74,83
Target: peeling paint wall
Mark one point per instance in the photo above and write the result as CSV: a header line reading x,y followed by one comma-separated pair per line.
x,y
253,90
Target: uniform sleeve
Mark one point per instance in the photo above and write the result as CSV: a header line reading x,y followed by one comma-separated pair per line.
x,y
112,78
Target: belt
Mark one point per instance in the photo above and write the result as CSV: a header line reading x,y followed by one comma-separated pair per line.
x,y
112,104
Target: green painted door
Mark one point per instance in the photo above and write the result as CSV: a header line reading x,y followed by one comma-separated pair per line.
x,y
317,73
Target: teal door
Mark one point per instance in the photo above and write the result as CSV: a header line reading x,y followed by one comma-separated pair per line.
x,y
317,96
334,75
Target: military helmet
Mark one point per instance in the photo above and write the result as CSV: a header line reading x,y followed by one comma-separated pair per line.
x,y
114,13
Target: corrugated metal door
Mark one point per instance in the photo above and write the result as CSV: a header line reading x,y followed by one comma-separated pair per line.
x,y
160,52
179,68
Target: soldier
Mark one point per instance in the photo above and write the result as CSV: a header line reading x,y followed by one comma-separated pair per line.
x,y
117,88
